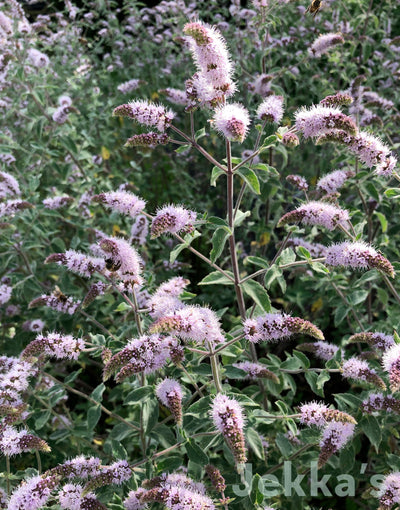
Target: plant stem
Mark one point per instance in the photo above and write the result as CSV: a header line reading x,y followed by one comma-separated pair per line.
x,y
135,311
215,370
8,474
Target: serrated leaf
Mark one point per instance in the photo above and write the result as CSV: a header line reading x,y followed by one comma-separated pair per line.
x,y
218,241
250,179
217,278
257,292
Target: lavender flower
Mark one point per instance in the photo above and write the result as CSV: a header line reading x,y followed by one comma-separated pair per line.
x,y
391,363
316,213
319,415
32,494
13,442
8,185
389,492
324,43
377,340
315,249
150,140
271,109
175,497
290,139
322,350
173,219
331,182
357,255
166,297
256,370
147,114
124,260
319,120
169,392
116,473
5,293
139,230
60,116
212,84
133,501
232,121
145,354
122,201
79,263
57,202
228,418
275,326
79,467
130,86
378,402
359,370
54,345
195,323
298,181
369,149
10,207
334,437
217,480
96,289
175,96
37,58
57,301
339,99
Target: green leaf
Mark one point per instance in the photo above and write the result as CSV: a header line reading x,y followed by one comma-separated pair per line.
x,y
97,393
341,313
270,140
218,241
311,378
303,251
200,133
305,362
393,192
216,172
257,261
217,278
93,416
372,430
195,453
189,238
123,307
271,275
150,412
138,395
286,257
250,179
214,220
257,292
240,217
372,191
42,419
322,378
383,221
183,148
72,377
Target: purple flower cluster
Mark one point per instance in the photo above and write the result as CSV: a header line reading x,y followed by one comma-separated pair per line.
x,y
166,298
322,350
169,392
150,139
54,345
10,207
315,249
228,418
331,182
124,260
79,263
115,474
275,326
8,185
5,293
32,494
324,43
195,323
232,121
339,99
379,402
375,339
357,255
319,120
389,492
175,96
359,370
57,202
212,83
316,213
13,442
57,301
139,230
256,370
271,109
146,113
130,86
391,363
298,181
145,354
173,219
123,202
